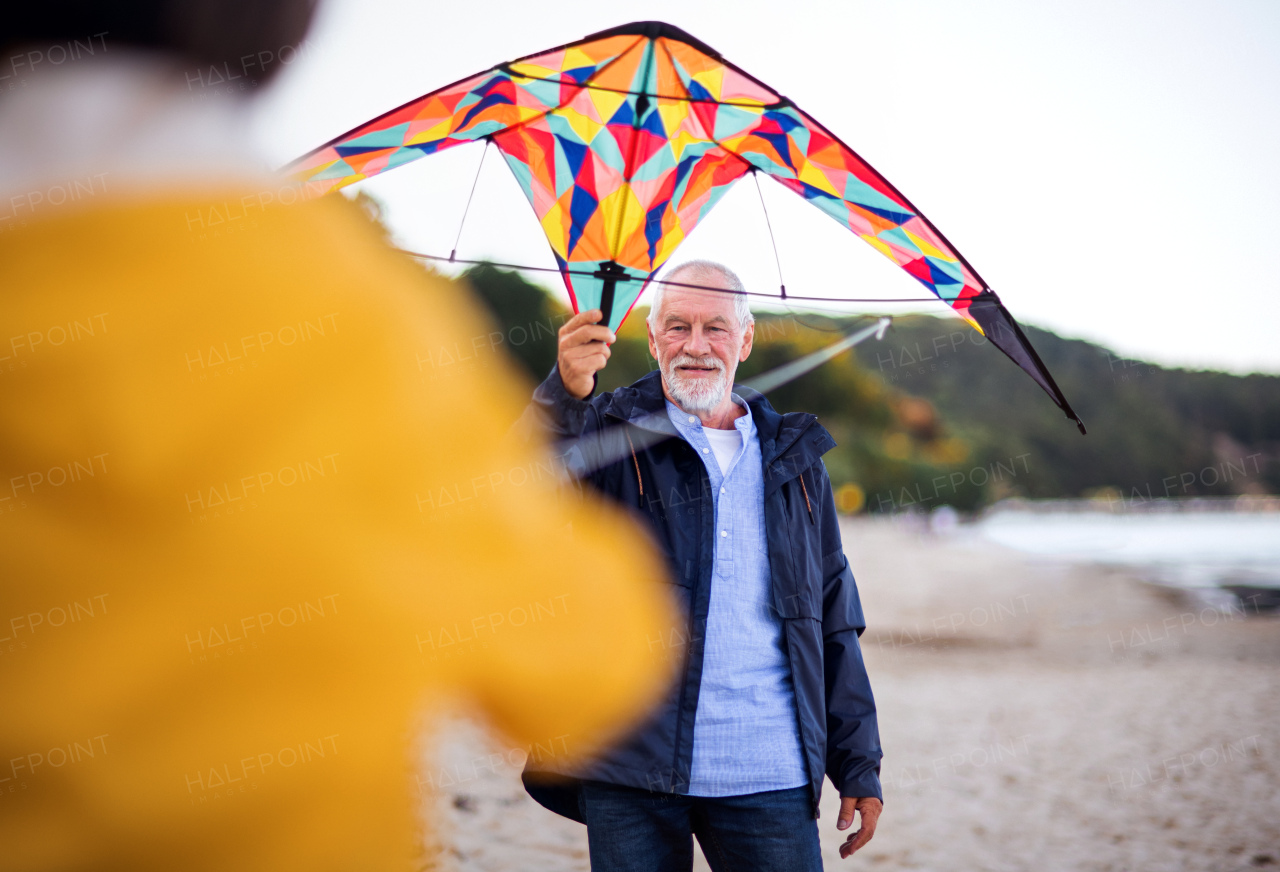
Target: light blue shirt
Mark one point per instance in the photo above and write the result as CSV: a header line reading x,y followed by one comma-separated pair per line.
x,y
746,738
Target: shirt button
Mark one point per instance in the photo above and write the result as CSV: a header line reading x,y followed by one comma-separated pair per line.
x,y
721,490
692,420
706,451
724,534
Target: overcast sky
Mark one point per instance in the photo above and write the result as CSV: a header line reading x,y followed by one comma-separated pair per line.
x,y
1111,168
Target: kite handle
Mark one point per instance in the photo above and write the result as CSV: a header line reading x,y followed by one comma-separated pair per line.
x,y
610,274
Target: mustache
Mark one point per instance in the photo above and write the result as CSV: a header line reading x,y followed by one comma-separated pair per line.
x,y
690,360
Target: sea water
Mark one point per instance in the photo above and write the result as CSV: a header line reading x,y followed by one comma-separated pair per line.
x,y
1185,549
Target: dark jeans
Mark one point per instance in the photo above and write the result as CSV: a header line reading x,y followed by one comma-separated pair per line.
x,y
633,830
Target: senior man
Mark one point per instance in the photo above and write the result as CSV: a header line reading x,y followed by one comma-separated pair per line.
x,y
773,692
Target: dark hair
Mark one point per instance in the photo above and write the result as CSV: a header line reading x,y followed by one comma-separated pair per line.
x,y
197,32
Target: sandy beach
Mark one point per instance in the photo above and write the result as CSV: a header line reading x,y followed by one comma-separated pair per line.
x,y
1035,715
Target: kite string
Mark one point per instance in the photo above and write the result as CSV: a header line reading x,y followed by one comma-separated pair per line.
x,y
453,254
562,271
755,177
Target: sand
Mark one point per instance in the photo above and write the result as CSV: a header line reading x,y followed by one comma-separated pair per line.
x,y
1035,716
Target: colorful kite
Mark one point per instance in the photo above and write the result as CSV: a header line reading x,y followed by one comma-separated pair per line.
x,y
624,140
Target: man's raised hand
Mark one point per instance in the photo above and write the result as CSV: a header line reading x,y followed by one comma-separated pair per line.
x,y
869,808
583,351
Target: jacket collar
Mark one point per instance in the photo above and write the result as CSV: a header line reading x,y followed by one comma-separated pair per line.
x,y
643,405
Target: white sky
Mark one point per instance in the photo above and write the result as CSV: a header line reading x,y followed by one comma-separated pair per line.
x,y
1111,168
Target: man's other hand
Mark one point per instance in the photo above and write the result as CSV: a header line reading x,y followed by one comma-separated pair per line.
x,y
583,351
869,808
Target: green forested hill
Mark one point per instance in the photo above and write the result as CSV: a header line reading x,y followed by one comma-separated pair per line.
x,y
1211,432
935,415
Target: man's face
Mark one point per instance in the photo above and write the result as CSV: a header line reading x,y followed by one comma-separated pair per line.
x,y
698,344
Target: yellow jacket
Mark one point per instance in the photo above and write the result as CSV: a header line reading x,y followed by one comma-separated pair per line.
x,y
253,522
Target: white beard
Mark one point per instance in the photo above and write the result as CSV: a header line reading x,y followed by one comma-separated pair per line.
x,y
695,395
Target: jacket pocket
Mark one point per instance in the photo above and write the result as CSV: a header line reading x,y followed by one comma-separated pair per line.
x,y
795,563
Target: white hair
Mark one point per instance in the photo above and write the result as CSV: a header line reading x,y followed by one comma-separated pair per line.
x,y
702,272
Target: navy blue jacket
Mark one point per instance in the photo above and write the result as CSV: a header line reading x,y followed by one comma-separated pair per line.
x,y
813,589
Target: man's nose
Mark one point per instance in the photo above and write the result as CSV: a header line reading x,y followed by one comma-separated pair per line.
x,y
697,344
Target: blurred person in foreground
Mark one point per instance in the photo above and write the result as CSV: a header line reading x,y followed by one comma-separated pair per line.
x,y
771,692
246,543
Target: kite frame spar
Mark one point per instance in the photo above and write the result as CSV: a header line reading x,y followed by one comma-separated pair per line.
x,y
980,306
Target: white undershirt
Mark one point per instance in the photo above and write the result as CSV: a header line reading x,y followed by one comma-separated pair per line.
x,y
724,444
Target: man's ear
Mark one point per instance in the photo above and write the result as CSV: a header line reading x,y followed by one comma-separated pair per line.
x,y
653,346
748,339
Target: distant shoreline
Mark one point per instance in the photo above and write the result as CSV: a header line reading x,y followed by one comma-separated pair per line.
x,y
1139,504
